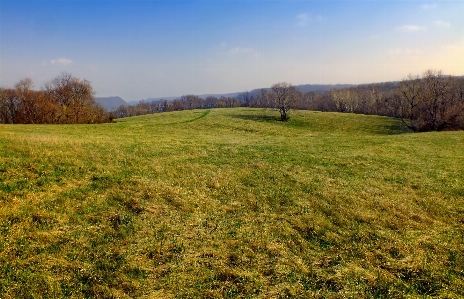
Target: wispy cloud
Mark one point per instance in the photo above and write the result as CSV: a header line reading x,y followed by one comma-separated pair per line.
x,y
61,61
410,28
428,6
442,24
302,19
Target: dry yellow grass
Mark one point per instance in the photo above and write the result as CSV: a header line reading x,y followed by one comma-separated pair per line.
x,y
231,203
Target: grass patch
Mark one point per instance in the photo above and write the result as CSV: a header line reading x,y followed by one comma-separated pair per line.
x,y
231,203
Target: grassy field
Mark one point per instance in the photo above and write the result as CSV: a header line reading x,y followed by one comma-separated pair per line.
x,y
231,203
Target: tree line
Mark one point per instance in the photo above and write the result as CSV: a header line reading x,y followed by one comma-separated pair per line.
x,y
63,100
185,102
431,102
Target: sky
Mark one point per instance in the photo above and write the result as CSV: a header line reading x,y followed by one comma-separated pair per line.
x,y
139,49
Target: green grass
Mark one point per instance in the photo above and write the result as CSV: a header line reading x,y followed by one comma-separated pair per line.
x,y
231,203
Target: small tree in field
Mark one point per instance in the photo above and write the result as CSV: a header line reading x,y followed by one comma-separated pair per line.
x,y
284,96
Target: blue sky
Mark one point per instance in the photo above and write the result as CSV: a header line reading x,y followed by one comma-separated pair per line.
x,y
146,48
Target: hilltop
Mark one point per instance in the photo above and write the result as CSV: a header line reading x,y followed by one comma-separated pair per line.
x,y
231,203
110,103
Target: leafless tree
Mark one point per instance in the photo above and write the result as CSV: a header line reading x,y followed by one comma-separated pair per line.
x,y
75,97
429,103
64,100
211,102
284,96
246,98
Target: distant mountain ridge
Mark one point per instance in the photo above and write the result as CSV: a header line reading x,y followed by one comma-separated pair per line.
x,y
203,96
110,103
318,88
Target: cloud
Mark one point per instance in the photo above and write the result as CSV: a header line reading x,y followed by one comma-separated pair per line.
x,y
442,24
302,19
411,28
244,52
61,61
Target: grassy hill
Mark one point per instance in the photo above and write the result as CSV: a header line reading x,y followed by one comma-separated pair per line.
x,y
231,203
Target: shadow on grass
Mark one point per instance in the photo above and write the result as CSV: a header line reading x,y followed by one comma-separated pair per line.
x,y
204,114
257,117
394,129
391,127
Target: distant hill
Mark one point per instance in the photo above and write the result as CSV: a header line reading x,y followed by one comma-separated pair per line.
x,y
319,88
203,96
322,87
110,103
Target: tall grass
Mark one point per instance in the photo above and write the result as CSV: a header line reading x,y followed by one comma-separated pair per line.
x,y
231,203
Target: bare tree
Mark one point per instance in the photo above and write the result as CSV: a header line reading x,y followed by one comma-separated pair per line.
x,y
246,98
74,96
8,106
346,99
407,102
284,96
211,102
64,100
26,99
428,103
261,99
191,101
443,107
